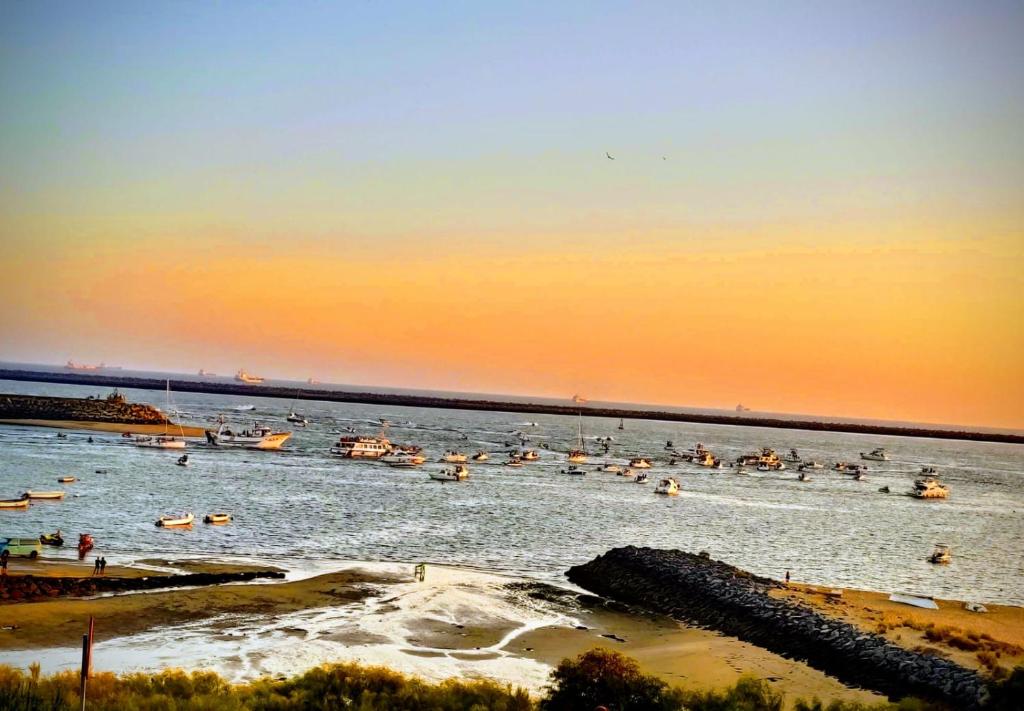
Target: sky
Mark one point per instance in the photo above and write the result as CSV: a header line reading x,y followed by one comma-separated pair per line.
x,y
812,207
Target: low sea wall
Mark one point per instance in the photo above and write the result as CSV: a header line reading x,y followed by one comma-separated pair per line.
x,y
35,407
718,596
28,588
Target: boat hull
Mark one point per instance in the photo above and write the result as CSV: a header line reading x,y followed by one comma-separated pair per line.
x,y
269,442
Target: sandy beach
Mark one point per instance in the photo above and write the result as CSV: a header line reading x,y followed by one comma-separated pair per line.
x,y
174,429
442,624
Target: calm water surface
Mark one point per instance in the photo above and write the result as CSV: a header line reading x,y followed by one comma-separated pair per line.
x,y
300,504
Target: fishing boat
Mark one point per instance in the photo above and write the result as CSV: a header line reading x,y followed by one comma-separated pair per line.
x,y
175,521
244,377
573,470
457,473
21,503
640,463
452,457
66,480
33,495
770,460
667,487
929,488
361,447
481,456
706,459
793,457
530,456
610,468
942,554
400,459
578,455
259,437
640,478
875,455
52,539
217,518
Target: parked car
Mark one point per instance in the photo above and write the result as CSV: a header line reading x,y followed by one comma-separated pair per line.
x,y
21,547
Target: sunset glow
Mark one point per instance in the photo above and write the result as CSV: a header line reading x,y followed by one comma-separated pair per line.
x,y
195,189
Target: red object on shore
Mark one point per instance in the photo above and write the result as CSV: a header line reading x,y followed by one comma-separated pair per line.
x,y
85,544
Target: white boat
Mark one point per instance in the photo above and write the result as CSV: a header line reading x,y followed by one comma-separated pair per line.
x,y
33,495
217,518
403,460
611,468
668,487
640,463
481,456
793,457
297,419
21,503
640,478
244,377
457,473
258,437
849,468
811,465
941,555
530,456
361,447
929,488
172,521
578,455
245,408
803,476
875,455
452,457
573,470
166,440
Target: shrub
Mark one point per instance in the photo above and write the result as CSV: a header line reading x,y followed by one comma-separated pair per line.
x,y
602,677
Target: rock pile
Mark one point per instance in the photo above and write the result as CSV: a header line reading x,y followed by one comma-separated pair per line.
x,y
712,594
28,588
110,409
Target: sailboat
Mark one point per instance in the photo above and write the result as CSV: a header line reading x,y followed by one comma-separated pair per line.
x,y
293,416
621,425
579,454
164,441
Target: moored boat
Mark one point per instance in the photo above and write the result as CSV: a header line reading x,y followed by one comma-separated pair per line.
x,y
875,455
530,455
481,456
21,503
573,470
611,468
66,480
514,461
175,521
640,478
453,457
217,518
361,447
929,488
159,442
457,473
259,437
667,487
640,463
43,495
401,459
941,555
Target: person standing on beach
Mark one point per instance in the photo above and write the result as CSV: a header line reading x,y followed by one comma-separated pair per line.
x,y
96,566
103,566
787,577
3,563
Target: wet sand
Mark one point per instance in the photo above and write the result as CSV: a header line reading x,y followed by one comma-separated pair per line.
x,y
178,430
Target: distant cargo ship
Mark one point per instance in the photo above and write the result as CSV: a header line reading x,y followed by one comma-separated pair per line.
x,y
741,408
579,399
312,381
206,374
243,377
72,365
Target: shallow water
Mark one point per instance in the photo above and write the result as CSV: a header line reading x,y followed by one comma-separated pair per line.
x,y
301,504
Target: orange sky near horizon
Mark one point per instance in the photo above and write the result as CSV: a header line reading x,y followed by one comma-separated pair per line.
x,y
892,327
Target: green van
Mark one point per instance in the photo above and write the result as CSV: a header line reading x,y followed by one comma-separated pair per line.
x,y
23,547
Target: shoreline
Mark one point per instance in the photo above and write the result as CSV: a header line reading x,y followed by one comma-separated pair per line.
x,y
458,623
298,393
189,431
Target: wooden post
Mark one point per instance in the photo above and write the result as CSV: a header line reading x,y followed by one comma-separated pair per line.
x,y
85,668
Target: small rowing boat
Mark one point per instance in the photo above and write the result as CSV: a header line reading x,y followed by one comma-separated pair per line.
x,y
171,521
14,503
43,495
66,480
217,518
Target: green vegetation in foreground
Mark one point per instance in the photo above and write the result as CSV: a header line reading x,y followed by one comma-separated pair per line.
x,y
598,678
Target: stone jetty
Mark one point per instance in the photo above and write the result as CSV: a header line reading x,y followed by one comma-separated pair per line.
x,y
715,595
112,408
29,588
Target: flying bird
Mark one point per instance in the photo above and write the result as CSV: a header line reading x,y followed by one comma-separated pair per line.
x,y
608,155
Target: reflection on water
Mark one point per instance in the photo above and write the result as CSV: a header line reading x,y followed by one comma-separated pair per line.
x,y
301,504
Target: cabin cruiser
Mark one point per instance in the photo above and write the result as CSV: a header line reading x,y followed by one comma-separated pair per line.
x,y
401,459
481,456
159,442
259,437
243,377
875,455
460,472
573,470
707,459
941,555
640,463
929,488
640,478
450,456
530,455
362,447
668,487
770,460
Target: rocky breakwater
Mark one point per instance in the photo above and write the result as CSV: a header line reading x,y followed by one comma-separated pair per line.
x,y
30,588
113,408
709,593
